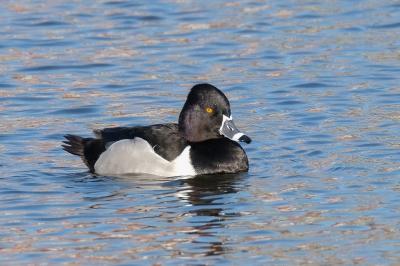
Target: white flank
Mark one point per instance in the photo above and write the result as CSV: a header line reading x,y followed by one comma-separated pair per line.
x,y
137,156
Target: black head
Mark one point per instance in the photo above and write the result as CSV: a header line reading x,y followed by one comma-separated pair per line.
x,y
203,114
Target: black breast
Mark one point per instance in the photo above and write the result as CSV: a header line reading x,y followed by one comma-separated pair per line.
x,y
218,156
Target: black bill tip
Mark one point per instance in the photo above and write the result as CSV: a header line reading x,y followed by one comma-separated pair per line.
x,y
245,138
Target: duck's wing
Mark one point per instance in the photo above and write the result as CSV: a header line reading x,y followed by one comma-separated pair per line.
x,y
164,138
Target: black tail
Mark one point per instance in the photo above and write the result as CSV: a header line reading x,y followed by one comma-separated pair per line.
x,y
89,149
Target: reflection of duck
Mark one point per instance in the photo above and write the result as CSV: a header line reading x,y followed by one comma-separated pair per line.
x,y
199,207
204,191
196,145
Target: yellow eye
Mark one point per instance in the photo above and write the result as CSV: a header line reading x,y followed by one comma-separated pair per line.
x,y
209,110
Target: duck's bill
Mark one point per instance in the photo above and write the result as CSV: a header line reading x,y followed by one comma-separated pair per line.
x,y
229,130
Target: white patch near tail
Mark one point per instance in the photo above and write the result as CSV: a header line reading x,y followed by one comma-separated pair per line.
x,y
137,156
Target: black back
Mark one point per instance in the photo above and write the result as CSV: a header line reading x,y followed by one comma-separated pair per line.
x,y
164,138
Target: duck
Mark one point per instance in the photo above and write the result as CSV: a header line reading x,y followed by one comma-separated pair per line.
x,y
204,141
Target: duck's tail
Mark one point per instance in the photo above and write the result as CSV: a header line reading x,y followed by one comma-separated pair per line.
x,y
89,149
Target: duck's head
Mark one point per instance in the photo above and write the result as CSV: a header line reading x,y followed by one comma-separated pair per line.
x,y
207,115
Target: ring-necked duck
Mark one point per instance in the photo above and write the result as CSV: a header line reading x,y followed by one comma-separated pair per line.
x,y
203,142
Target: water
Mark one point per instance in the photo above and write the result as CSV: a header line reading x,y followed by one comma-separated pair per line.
x,y
315,84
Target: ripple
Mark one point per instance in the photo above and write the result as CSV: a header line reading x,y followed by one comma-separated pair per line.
x,y
50,24
124,4
311,85
81,111
70,67
289,103
386,26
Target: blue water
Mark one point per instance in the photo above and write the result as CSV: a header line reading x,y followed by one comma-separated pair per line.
x,y
315,84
